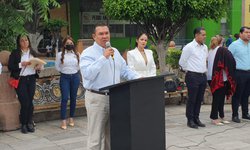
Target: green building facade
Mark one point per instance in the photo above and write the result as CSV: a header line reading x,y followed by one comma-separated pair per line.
x,y
85,13
228,25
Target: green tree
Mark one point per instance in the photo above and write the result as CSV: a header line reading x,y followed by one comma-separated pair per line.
x,y
16,13
163,19
11,24
55,26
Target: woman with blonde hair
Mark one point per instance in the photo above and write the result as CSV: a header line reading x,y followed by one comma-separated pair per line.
x,y
67,63
221,78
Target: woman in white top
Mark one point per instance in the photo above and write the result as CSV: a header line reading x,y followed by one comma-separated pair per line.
x,y
220,76
140,59
67,63
20,68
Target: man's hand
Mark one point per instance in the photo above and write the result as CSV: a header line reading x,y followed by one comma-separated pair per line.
x,y
108,52
25,63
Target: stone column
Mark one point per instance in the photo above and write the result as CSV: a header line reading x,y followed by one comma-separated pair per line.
x,y
9,104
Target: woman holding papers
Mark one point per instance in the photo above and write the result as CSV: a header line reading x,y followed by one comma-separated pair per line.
x,y
67,63
140,59
20,68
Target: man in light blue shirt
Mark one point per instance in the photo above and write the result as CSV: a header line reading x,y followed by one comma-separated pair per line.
x,y
99,70
241,52
101,65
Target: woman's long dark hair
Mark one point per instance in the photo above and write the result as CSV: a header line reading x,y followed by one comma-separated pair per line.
x,y
63,49
138,36
18,46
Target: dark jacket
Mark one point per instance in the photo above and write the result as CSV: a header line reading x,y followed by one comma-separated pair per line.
x,y
14,60
224,60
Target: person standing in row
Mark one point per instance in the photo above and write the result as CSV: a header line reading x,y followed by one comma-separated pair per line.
x,y
141,60
67,63
221,78
193,61
19,66
241,52
229,40
101,66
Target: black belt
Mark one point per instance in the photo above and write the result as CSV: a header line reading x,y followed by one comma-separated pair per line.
x,y
98,92
198,73
28,76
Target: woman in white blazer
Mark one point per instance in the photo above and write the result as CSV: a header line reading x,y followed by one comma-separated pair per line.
x,y
141,60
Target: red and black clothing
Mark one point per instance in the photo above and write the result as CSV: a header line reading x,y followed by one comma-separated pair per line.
x,y
223,62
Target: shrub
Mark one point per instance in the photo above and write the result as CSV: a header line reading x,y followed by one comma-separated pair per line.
x,y
173,56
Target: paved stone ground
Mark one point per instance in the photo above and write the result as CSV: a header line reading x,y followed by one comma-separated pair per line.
x,y
48,136
179,137
233,136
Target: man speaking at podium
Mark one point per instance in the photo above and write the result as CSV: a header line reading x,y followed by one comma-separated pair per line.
x,y
101,65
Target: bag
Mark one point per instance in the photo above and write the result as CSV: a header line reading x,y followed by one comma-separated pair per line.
x,y
170,86
13,82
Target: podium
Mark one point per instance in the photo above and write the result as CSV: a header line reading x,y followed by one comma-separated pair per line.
x,y
137,114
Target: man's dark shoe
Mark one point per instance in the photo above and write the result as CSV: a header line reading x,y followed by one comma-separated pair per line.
x,y
246,117
199,123
191,124
30,128
24,129
236,119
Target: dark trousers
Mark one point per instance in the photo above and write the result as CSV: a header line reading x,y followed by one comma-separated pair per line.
x,y
242,92
69,84
218,102
196,85
25,92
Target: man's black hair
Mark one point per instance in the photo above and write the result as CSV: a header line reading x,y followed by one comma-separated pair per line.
x,y
198,30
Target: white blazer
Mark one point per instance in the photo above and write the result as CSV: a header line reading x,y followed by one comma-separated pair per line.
x,y
137,63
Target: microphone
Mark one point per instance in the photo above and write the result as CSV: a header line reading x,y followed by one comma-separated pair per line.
x,y
108,45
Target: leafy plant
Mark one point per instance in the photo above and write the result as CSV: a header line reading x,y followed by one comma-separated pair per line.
x,y
172,58
16,13
55,25
11,24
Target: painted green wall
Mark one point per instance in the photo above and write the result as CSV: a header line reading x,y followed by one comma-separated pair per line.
x,y
122,44
234,22
74,19
212,28
190,25
235,16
